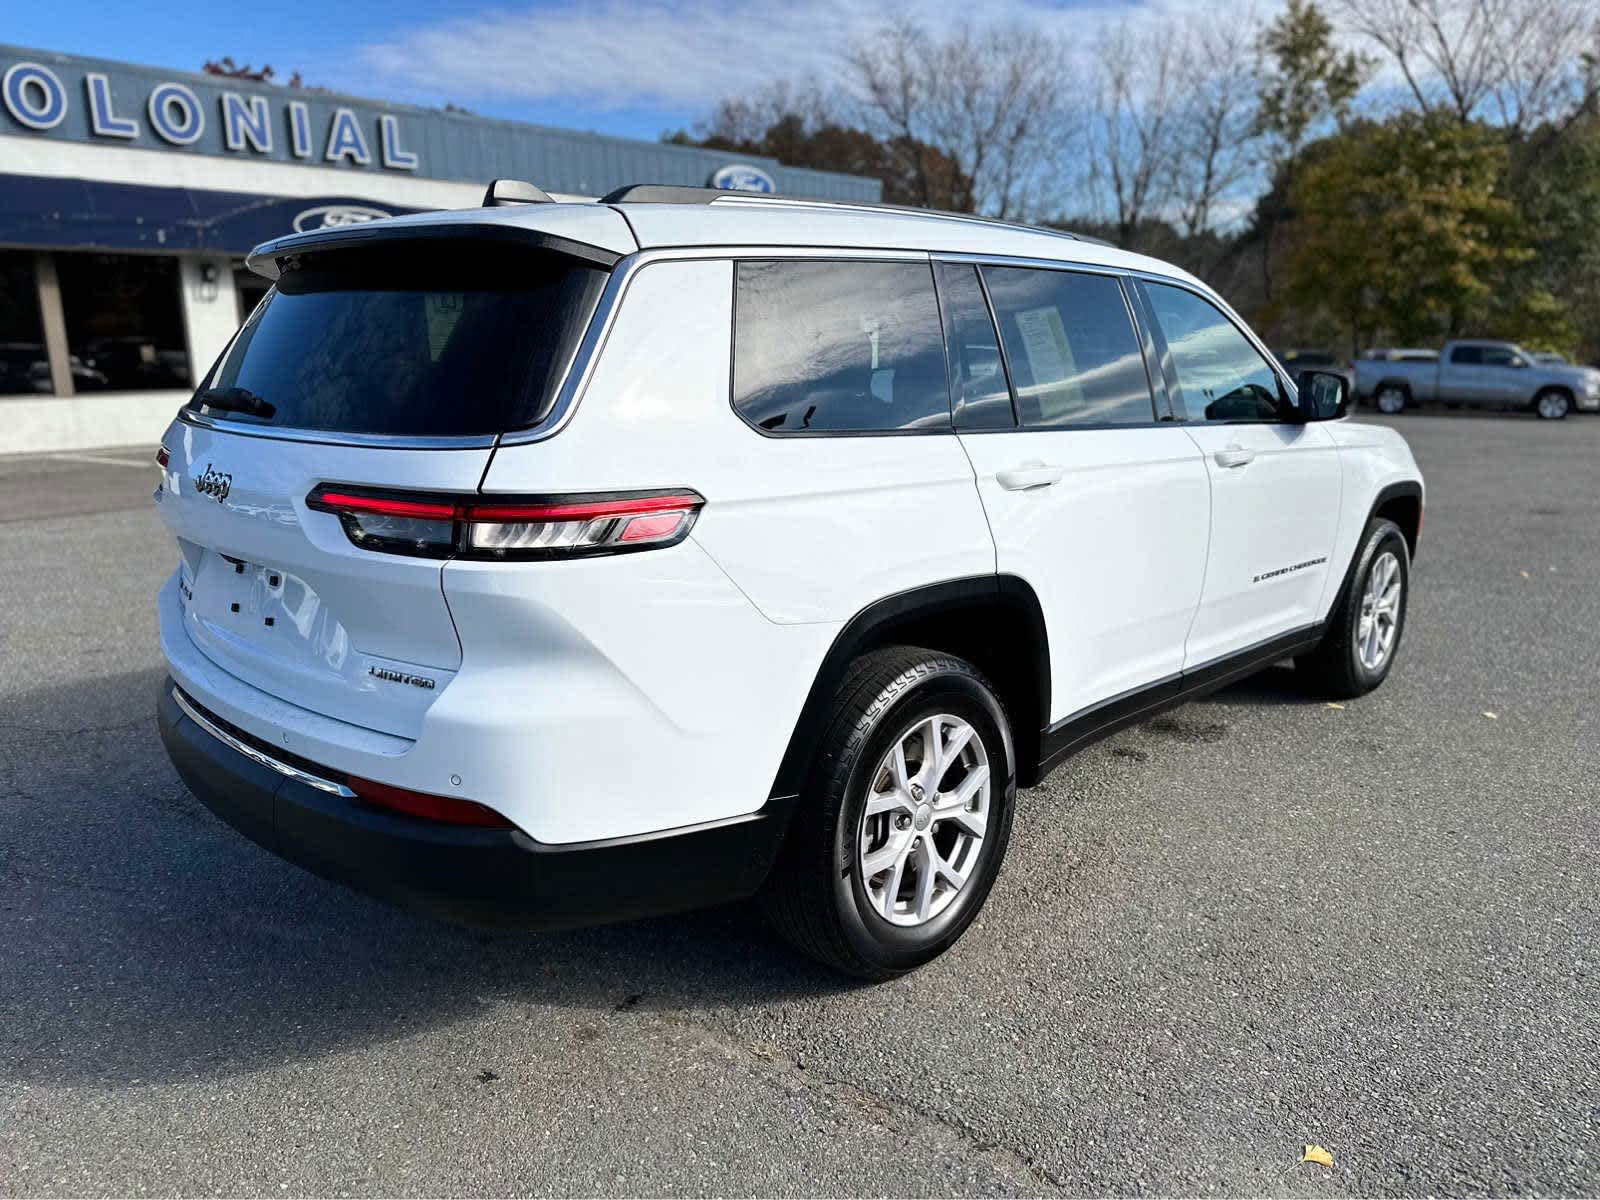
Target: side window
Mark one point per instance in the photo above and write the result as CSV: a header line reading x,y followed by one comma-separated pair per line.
x,y
1469,356
1071,348
977,374
1221,376
1499,356
838,347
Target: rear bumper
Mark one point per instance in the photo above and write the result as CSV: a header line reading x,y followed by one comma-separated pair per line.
x,y
487,877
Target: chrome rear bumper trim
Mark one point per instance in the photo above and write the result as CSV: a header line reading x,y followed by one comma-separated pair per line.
x,y
258,756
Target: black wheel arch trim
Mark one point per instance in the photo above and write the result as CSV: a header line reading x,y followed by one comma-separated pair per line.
x,y
875,624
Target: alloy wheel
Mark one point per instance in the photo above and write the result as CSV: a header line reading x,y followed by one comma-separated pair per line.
x,y
1380,612
923,825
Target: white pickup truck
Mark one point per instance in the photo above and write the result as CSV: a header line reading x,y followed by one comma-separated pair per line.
x,y
1478,373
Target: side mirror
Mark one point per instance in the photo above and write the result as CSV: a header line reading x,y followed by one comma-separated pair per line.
x,y
1324,395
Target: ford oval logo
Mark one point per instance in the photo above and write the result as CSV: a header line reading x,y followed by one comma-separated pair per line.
x,y
742,177
325,216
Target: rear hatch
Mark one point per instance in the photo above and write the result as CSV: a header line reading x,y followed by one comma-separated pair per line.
x,y
389,365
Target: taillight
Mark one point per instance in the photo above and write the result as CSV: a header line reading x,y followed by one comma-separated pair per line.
x,y
163,457
437,526
445,809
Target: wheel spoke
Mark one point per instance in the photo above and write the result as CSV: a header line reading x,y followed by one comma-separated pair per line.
x,y
946,870
897,767
927,876
891,887
894,800
975,823
932,750
881,859
976,779
953,746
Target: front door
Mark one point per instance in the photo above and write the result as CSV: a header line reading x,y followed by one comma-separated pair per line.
x,y
1275,485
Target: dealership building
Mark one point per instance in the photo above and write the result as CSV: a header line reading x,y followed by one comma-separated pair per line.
x,y
129,196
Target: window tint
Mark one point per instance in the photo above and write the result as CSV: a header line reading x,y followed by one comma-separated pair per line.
x,y
1467,355
977,374
846,347
421,340
1071,348
1499,356
1221,376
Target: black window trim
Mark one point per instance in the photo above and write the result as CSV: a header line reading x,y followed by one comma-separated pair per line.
x,y
949,356
1288,393
947,429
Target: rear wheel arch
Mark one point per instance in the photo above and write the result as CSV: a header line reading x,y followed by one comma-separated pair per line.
x,y
995,622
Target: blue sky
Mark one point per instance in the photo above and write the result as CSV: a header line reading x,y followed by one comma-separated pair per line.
x,y
628,67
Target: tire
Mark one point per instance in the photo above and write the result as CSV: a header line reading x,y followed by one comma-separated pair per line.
x,y
1390,399
1552,404
820,896
1342,666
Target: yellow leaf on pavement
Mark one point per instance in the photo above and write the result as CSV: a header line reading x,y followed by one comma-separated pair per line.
x,y
1492,716
1317,1154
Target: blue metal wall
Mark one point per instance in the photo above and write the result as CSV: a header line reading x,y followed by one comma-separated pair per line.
x,y
446,145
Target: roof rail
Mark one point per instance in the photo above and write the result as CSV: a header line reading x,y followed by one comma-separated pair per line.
x,y
648,193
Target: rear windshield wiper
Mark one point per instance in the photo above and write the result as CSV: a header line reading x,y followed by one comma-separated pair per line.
x,y
236,399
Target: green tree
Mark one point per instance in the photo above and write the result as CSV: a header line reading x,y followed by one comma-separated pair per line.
x,y
1404,230
1306,81
1555,176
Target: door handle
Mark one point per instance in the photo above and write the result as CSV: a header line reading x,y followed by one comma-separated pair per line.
x,y
1028,476
1234,456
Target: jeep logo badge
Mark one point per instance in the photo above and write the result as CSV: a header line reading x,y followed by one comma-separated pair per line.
x,y
212,482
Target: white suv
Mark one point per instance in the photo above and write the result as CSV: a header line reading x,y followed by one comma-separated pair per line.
x,y
546,563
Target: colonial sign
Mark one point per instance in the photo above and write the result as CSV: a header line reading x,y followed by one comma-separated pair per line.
x,y
217,116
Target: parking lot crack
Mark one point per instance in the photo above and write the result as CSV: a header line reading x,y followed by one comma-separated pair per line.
x,y
845,1098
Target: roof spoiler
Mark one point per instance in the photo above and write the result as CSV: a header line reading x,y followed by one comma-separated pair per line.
x,y
514,191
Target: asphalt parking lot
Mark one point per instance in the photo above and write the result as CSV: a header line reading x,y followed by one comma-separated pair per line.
x,y
1256,922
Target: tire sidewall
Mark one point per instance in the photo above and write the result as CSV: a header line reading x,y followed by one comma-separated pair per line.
x,y
1386,536
899,948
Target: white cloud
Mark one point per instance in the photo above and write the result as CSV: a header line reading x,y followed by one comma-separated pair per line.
x,y
684,54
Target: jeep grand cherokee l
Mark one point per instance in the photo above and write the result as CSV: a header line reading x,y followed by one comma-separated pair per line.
x,y
556,563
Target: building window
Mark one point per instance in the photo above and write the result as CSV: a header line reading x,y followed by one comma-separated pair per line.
x,y
24,366
124,320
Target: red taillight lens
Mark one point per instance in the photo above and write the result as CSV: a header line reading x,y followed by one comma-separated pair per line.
x,y
163,457
445,809
543,527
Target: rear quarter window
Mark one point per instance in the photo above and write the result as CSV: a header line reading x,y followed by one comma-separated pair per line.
x,y
434,339
838,347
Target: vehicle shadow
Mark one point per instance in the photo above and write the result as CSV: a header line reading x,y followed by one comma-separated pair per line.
x,y
147,942
1279,685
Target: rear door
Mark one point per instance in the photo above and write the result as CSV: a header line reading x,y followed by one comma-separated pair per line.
x,y
386,369
1092,499
1275,486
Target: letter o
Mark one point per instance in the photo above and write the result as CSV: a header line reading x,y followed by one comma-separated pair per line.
x,y
25,77
191,123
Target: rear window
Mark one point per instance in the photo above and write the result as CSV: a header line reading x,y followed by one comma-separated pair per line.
x,y
435,339
839,347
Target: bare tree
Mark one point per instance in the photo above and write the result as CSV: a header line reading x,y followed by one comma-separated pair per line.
x,y
992,102
1517,61
1216,129
1134,131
